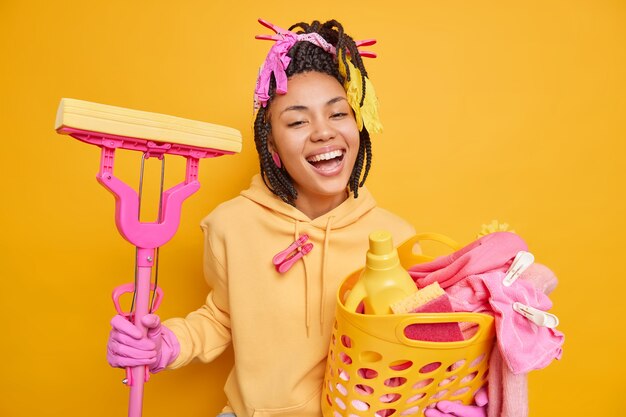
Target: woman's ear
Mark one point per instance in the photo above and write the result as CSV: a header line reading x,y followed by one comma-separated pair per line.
x,y
272,149
270,143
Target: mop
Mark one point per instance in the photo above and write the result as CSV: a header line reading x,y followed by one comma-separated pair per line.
x,y
155,135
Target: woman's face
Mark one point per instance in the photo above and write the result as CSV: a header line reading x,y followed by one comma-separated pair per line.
x,y
315,134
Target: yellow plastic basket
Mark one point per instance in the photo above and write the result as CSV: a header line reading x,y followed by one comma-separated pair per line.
x,y
374,370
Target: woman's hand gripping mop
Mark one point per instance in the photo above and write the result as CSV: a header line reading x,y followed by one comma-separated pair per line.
x,y
154,135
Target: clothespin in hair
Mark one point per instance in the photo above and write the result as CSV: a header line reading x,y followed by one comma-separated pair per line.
x,y
280,33
277,29
366,42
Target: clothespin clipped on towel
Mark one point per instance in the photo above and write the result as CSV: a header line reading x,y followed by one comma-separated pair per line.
x,y
539,317
542,318
521,262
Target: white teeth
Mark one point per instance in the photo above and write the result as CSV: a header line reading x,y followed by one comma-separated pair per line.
x,y
325,156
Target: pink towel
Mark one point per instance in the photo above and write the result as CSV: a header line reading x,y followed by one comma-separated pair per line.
x,y
524,345
492,252
508,393
472,277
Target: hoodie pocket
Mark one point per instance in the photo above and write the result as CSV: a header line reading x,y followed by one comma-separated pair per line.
x,y
309,408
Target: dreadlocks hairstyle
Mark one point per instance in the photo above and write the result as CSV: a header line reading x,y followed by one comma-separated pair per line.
x,y
305,57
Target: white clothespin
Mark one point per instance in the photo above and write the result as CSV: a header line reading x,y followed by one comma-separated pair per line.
x,y
522,261
539,317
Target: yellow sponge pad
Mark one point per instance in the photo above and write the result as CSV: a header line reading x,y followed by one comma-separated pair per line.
x,y
417,299
102,118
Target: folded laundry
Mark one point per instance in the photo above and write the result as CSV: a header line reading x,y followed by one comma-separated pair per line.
x,y
508,393
492,252
524,345
473,278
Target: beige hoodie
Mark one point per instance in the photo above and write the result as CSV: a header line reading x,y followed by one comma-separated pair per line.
x,y
279,324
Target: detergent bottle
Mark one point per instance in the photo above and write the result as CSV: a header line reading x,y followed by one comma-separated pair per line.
x,y
383,280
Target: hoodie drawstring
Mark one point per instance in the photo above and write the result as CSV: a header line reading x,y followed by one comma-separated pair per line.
x,y
296,251
307,283
323,278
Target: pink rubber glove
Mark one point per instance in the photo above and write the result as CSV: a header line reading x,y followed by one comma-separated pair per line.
x,y
453,409
127,348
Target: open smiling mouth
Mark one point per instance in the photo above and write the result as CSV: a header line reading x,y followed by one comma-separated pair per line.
x,y
326,161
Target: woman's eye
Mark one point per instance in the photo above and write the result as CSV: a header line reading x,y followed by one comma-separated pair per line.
x,y
296,123
339,115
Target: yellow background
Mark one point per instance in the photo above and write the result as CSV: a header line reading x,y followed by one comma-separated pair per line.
x,y
492,110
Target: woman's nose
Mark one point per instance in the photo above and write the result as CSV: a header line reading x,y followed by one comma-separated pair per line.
x,y
322,131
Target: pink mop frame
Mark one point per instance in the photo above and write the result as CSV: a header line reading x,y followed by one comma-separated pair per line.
x,y
147,237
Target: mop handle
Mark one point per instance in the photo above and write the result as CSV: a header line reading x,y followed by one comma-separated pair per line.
x,y
142,288
138,375
129,288
146,236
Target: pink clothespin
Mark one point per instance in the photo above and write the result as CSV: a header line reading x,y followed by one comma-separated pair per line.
x,y
278,30
286,258
280,35
366,42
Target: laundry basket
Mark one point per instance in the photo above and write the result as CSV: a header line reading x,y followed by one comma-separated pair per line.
x,y
374,370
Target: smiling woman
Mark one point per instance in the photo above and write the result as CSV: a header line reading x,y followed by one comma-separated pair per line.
x,y
315,135
330,90
301,227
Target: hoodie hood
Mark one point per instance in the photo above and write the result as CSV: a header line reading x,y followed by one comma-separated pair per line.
x,y
343,215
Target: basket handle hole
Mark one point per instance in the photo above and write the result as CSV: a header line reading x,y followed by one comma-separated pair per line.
x,y
469,329
434,332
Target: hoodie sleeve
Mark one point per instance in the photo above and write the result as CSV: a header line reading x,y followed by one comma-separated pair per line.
x,y
205,333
